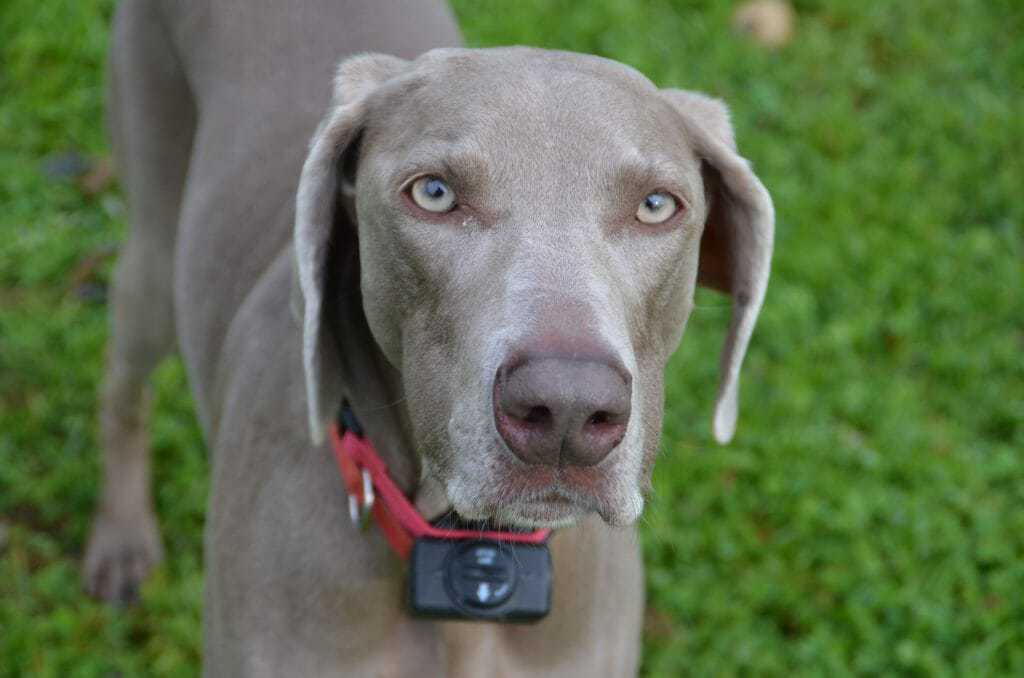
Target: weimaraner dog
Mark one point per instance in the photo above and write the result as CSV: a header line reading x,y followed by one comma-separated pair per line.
x,y
489,253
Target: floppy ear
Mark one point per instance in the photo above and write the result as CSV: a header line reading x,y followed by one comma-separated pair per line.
x,y
736,248
315,207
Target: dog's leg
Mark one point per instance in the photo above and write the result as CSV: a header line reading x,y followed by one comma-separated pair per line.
x,y
152,121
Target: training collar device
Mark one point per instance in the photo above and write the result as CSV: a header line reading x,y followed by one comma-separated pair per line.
x,y
457,570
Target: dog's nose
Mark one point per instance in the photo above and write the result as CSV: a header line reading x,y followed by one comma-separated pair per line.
x,y
561,412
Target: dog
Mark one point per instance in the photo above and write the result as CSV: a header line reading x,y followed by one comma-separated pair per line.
x,y
489,254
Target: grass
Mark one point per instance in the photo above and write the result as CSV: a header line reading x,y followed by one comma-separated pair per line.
x,y
869,517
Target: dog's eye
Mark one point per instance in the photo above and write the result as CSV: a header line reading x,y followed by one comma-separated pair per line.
x,y
656,208
433,194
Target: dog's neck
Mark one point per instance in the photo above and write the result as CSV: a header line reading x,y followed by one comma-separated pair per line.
x,y
372,386
375,397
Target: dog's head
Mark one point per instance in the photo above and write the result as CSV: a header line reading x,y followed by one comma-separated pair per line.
x,y
531,226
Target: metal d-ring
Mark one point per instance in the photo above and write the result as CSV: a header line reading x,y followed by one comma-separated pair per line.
x,y
358,511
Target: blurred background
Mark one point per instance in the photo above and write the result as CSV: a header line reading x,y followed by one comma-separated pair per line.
x,y
869,517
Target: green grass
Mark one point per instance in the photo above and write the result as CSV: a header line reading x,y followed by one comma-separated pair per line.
x,y
869,517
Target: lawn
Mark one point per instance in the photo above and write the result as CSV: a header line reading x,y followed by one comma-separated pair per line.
x,y
869,517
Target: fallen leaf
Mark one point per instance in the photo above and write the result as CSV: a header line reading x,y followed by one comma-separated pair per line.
x,y
770,23
99,177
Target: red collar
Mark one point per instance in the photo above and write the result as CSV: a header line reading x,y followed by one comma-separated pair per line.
x,y
371,490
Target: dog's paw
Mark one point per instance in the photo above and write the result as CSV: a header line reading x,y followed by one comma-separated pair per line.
x,y
121,553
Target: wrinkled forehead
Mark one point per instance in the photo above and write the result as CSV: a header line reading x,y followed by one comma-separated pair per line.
x,y
520,105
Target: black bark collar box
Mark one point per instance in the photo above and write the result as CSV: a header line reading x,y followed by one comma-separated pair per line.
x,y
484,580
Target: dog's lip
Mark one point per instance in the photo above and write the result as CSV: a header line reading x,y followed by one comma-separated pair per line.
x,y
549,506
531,496
553,510
555,497
557,501
550,486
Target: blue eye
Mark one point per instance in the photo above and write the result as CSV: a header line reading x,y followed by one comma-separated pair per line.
x,y
656,208
433,194
436,189
655,201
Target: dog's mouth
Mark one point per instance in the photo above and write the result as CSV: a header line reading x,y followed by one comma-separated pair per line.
x,y
455,521
522,503
553,512
555,509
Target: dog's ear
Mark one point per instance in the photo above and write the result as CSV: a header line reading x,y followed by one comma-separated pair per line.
x,y
315,206
736,247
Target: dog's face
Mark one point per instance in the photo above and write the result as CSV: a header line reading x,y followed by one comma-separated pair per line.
x,y
531,229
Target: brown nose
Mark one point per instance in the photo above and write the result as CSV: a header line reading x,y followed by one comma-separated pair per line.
x,y
561,412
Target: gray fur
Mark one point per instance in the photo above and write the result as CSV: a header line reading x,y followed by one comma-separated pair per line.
x,y
409,318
